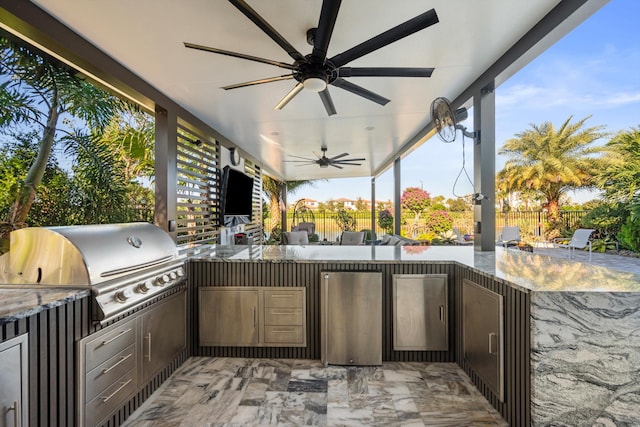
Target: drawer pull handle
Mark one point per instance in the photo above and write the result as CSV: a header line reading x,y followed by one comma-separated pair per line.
x,y
283,296
284,312
122,385
16,413
148,356
442,313
122,359
116,337
282,331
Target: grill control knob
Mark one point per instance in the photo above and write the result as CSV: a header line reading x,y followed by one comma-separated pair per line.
x,y
162,280
123,295
180,272
173,275
142,288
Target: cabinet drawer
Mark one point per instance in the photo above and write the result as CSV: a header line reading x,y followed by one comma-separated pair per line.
x,y
290,298
108,343
107,401
283,316
108,372
284,334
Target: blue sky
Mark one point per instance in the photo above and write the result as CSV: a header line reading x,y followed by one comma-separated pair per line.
x,y
594,70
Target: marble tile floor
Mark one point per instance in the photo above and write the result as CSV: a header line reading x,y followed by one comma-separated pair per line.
x,y
286,392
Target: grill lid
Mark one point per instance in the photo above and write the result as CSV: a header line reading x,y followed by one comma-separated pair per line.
x,y
87,254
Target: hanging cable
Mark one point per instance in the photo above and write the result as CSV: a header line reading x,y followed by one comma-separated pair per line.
x,y
463,169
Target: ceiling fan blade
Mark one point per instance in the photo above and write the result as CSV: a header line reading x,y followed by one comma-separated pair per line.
x,y
335,166
348,164
258,82
300,157
396,33
351,160
327,21
328,102
288,97
384,72
238,55
358,90
267,28
338,156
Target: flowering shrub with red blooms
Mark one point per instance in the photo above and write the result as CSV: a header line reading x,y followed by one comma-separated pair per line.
x,y
415,200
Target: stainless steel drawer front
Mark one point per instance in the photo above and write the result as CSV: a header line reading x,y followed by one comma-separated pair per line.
x,y
283,334
283,316
109,399
108,344
108,372
288,298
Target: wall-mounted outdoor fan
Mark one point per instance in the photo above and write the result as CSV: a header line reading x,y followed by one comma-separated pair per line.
x,y
447,120
315,71
324,161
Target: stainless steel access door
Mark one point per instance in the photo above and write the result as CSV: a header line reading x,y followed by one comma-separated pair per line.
x,y
483,331
351,318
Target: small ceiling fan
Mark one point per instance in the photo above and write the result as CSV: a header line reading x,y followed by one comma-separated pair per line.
x,y
315,71
324,161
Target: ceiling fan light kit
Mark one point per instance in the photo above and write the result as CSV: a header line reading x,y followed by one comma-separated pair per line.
x,y
315,72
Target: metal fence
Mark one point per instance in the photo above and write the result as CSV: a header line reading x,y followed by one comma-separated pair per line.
x,y
531,223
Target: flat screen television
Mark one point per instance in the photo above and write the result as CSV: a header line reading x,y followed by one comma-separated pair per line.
x,y
236,197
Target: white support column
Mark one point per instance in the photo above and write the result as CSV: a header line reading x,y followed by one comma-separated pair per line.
x,y
484,169
373,208
283,208
397,192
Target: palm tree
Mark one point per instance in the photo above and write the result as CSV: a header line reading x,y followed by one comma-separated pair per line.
x,y
552,161
272,189
620,178
37,91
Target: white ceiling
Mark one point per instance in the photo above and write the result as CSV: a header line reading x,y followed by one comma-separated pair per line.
x,y
147,37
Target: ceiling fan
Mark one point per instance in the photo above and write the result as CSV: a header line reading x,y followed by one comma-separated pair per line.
x,y
324,161
315,71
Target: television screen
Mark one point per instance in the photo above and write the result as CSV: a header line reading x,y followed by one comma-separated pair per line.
x,y
236,197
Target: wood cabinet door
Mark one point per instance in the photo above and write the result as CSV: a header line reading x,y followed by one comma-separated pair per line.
x,y
228,317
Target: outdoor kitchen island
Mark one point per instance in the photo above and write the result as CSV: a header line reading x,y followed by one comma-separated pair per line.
x,y
568,339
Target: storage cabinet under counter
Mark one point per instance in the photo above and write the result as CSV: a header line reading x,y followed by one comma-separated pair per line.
x,y
252,316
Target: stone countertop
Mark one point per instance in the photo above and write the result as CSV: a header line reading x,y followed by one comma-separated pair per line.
x,y
17,302
528,271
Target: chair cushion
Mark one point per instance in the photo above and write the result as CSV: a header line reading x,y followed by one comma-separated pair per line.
x,y
295,238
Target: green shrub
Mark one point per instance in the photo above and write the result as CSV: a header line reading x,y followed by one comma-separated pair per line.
x,y
438,222
607,218
629,234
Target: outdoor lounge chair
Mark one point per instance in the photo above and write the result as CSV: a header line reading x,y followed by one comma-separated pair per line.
x,y
579,240
353,237
510,236
295,238
460,238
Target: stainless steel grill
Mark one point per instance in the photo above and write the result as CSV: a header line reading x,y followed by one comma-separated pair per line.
x,y
123,264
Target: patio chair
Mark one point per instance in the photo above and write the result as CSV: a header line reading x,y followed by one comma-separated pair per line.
x,y
510,236
460,238
295,238
579,240
309,227
353,237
